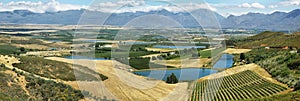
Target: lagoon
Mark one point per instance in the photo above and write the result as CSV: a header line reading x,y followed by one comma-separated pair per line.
x,y
226,61
178,47
186,74
189,74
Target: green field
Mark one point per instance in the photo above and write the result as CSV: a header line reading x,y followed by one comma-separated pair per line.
x,y
8,49
241,86
141,63
62,35
121,51
208,53
57,70
122,54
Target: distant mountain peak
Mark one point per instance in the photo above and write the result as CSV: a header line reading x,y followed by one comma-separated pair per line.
x,y
22,11
293,13
277,13
275,21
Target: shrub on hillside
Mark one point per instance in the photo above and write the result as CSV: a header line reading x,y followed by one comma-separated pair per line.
x,y
297,86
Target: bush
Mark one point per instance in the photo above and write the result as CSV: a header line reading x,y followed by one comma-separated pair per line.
x,y
50,91
297,86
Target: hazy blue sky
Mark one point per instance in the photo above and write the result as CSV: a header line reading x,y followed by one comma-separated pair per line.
x,y
224,7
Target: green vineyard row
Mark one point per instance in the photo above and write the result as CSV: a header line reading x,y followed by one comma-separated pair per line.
x,y
240,86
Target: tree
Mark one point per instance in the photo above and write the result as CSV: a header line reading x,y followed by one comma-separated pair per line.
x,y
195,55
153,57
172,79
168,54
242,56
185,51
294,64
22,49
2,65
160,58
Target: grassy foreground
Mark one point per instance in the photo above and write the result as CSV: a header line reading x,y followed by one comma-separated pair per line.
x,y
20,87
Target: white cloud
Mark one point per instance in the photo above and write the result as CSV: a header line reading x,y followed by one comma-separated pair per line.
x,y
140,5
119,3
191,7
116,7
286,3
290,2
253,5
273,6
108,4
39,7
113,6
245,5
257,5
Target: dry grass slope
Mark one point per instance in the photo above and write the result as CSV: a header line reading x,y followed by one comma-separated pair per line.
x,y
123,85
272,39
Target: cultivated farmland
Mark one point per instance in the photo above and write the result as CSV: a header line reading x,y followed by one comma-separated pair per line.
x,y
241,86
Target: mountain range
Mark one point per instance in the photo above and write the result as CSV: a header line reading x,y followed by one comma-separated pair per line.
x,y
277,21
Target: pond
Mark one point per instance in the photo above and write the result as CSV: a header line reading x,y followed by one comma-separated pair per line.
x,y
53,41
83,57
120,42
226,61
138,43
178,47
94,41
187,74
